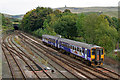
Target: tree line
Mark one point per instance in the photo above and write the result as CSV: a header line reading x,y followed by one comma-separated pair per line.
x,y
97,29
6,23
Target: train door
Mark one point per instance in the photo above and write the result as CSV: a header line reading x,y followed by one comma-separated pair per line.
x,y
56,43
98,55
86,54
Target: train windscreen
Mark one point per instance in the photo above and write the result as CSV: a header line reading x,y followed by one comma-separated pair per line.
x,y
97,52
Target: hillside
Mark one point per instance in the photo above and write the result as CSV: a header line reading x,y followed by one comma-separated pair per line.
x,y
14,16
111,11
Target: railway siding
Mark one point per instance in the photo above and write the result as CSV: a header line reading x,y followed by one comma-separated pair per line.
x,y
96,70
25,57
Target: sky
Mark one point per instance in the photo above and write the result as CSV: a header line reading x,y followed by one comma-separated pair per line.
x,y
16,7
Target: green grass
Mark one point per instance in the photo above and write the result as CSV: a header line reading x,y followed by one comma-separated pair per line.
x,y
111,13
5,28
113,56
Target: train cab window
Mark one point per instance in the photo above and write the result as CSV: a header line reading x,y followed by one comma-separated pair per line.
x,y
101,51
97,51
93,51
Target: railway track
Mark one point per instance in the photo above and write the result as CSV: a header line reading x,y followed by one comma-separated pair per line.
x,y
48,74
79,71
22,56
116,76
61,64
12,62
66,76
35,63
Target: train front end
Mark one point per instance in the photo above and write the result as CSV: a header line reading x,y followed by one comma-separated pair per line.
x,y
97,56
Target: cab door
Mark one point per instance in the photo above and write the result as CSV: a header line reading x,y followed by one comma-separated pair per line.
x,y
97,55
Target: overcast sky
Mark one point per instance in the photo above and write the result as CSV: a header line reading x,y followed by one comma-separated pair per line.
x,y
15,7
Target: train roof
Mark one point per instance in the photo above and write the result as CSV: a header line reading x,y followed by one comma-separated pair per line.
x,y
76,43
79,44
49,36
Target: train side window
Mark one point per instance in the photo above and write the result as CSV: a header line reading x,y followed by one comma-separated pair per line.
x,y
61,43
71,46
83,50
77,48
80,49
74,47
67,46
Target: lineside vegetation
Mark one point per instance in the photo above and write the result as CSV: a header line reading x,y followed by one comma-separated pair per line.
x,y
97,29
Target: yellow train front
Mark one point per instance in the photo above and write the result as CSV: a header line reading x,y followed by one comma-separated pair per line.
x,y
97,56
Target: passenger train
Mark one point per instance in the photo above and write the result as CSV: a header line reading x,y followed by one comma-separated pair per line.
x,y
91,54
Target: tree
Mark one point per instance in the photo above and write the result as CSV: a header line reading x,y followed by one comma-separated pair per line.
x,y
67,11
115,23
80,24
34,19
6,21
66,26
96,30
57,11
